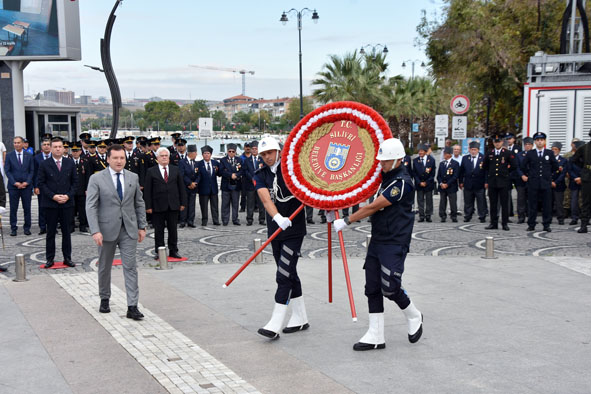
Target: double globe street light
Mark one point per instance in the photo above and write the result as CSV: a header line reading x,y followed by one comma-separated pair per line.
x,y
374,48
299,15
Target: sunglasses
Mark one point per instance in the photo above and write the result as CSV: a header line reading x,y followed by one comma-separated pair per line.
x,y
231,151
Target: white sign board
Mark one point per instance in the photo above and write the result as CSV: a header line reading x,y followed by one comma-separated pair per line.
x,y
459,127
441,125
460,104
205,127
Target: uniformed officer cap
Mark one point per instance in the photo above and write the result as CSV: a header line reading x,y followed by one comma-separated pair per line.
x,y
76,146
539,135
142,138
448,150
66,144
497,137
206,148
474,144
509,135
102,144
143,143
578,144
254,144
154,141
247,144
181,142
175,136
528,140
129,138
232,147
47,136
191,148
25,140
91,143
84,136
557,144
423,147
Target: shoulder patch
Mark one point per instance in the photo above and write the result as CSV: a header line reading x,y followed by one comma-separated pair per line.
x,y
395,191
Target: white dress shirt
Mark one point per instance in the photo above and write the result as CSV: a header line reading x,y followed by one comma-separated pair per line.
x,y
121,179
162,170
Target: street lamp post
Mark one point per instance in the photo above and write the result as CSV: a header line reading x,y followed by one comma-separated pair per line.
x,y
374,48
412,62
284,20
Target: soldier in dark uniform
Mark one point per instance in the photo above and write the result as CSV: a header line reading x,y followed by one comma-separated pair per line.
x,y
83,171
181,152
133,161
84,138
520,185
574,173
558,184
498,165
582,159
190,174
67,149
231,172
515,149
392,222
423,172
175,137
91,150
472,181
447,178
138,143
537,167
149,158
99,162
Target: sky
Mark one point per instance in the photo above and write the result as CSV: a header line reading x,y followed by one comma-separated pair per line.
x,y
154,42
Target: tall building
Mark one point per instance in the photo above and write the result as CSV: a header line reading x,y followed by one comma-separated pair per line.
x,y
59,96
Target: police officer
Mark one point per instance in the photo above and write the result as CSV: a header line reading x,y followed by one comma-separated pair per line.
x,y
392,222
520,185
423,171
190,174
537,168
498,165
231,172
447,178
279,204
471,180
582,159
83,171
558,184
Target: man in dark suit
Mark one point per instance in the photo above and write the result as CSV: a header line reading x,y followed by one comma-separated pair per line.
x,y
19,169
447,178
2,210
83,171
258,164
423,172
39,158
164,192
190,174
520,185
558,183
498,165
58,182
472,181
537,168
251,165
231,172
207,185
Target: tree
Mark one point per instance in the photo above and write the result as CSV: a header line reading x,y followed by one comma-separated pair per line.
x,y
219,119
292,115
199,110
161,112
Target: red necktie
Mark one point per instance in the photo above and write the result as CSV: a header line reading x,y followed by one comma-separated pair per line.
x,y
165,175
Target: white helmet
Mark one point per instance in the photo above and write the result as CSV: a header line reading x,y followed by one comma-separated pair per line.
x,y
268,143
391,149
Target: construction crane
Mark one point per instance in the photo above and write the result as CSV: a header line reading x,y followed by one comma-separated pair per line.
x,y
233,70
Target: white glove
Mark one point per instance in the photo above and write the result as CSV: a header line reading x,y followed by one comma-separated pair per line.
x,y
282,221
330,216
2,210
339,225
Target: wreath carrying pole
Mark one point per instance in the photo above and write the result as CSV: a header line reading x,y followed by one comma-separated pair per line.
x,y
329,263
263,246
346,267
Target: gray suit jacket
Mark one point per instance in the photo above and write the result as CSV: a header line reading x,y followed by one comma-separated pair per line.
x,y
106,213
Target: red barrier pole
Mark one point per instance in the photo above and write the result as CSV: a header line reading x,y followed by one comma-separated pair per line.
x,y
263,246
346,266
329,263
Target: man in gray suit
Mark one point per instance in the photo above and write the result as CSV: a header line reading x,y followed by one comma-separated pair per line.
x,y
117,217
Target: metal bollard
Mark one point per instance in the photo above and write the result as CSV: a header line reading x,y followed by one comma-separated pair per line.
x,y
490,248
21,273
257,246
367,241
162,258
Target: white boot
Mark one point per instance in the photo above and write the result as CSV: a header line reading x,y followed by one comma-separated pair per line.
x,y
271,330
415,322
374,337
299,319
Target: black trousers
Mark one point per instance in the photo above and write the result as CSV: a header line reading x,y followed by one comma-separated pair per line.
x,y
286,254
42,224
558,199
469,197
586,204
62,215
230,199
425,198
168,219
309,213
250,196
494,194
80,210
243,200
534,194
260,207
188,214
384,266
521,201
213,201
453,204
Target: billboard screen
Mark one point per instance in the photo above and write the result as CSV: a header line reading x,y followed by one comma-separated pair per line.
x,y
39,30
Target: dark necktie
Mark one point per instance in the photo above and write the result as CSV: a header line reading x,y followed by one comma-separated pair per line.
x,y
474,161
119,187
209,169
165,175
19,159
540,154
193,164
